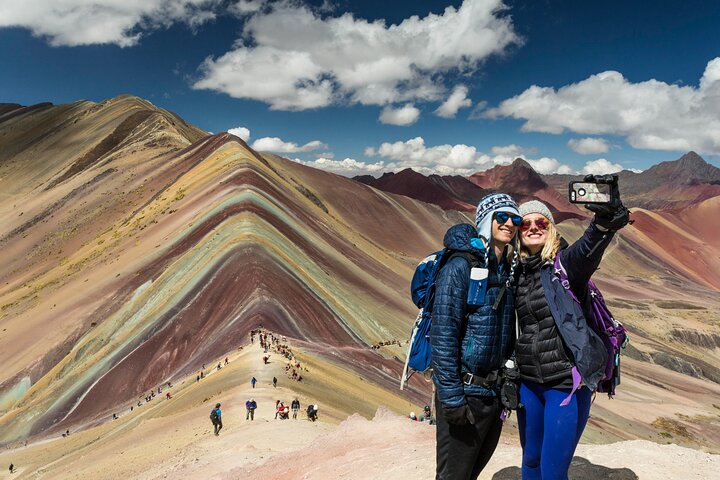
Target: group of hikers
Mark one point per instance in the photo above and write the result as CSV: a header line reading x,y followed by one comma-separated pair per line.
x,y
282,412
499,297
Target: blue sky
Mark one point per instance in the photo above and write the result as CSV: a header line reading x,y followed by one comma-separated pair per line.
x,y
370,86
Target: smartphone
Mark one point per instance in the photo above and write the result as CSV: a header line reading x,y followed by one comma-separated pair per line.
x,y
586,192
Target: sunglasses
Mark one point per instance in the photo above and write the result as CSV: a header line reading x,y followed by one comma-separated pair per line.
x,y
540,223
502,217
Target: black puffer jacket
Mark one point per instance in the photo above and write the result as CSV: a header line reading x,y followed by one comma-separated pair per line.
x,y
540,351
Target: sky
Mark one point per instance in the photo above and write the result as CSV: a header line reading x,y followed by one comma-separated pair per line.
x,y
366,87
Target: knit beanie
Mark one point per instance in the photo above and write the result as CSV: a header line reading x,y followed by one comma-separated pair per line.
x,y
536,206
489,204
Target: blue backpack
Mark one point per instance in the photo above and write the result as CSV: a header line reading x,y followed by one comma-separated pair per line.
x,y
422,289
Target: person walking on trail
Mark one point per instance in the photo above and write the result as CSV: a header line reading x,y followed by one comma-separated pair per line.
x,y
216,418
561,359
295,407
312,412
472,334
250,406
275,382
12,468
253,381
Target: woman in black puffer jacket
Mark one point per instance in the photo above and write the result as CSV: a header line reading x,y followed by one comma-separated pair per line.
x,y
561,359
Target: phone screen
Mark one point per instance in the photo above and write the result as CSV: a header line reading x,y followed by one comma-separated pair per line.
x,y
584,192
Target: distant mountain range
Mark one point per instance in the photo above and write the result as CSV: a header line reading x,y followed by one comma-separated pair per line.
x,y
665,186
460,193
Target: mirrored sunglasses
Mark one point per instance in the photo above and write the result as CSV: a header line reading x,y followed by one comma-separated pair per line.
x,y
502,217
540,223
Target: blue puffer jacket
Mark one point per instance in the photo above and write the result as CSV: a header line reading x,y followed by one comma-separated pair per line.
x,y
468,338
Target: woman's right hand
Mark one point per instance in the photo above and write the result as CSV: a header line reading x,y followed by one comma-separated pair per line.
x,y
610,216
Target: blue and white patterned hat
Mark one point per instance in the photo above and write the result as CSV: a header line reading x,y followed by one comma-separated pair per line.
x,y
495,202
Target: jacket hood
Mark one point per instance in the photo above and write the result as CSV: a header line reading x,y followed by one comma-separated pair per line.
x,y
458,237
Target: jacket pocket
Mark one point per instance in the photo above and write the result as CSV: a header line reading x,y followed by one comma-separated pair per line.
x,y
469,358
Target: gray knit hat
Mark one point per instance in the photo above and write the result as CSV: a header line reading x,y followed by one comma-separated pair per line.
x,y
536,206
489,204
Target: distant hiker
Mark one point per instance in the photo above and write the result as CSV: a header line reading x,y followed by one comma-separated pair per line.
x,y
279,406
312,412
265,359
427,416
556,349
131,408
412,416
253,381
250,406
198,378
295,404
275,382
12,468
202,374
218,367
216,418
226,360
471,335
139,404
115,417
168,396
67,432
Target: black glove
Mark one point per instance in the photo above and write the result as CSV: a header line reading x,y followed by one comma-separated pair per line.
x,y
458,415
610,216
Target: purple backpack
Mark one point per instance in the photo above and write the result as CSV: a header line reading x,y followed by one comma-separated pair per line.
x,y
611,332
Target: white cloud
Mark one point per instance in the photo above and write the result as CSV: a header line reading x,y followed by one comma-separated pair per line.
x,y
510,150
589,145
246,7
120,22
547,166
348,167
457,100
241,132
651,114
601,166
293,58
274,144
403,116
455,159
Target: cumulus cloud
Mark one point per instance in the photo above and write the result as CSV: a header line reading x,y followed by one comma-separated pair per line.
x,y
294,58
510,150
348,167
241,132
457,159
274,144
650,114
246,7
589,145
547,166
601,166
457,100
120,22
403,116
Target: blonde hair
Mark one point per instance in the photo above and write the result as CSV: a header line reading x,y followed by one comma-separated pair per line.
x,y
551,247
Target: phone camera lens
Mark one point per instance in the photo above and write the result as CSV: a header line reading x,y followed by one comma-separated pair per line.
x,y
582,192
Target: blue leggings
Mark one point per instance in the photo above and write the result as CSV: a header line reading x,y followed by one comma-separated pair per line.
x,y
550,433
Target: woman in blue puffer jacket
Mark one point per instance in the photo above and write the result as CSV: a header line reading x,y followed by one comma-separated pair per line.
x,y
472,335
